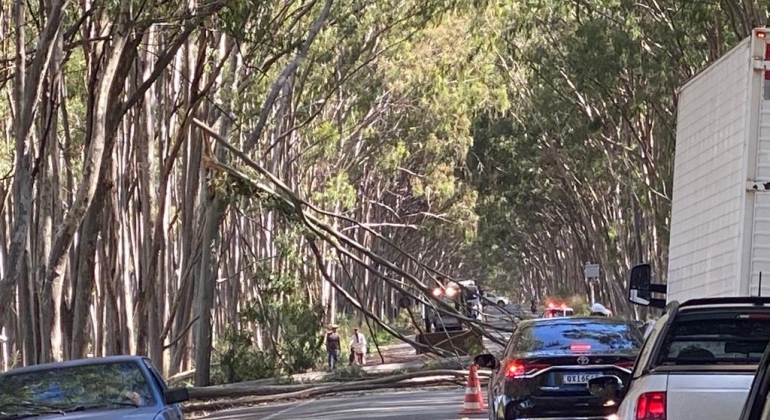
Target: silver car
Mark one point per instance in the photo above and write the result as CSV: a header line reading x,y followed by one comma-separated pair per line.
x,y
115,387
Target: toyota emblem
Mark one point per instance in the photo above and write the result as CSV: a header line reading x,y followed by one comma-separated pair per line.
x,y
582,360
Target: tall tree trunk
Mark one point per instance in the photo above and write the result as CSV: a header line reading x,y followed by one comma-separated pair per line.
x,y
27,87
214,208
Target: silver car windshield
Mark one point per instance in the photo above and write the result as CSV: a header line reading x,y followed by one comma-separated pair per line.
x,y
117,385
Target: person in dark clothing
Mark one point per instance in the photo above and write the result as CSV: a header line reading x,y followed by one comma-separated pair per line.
x,y
333,347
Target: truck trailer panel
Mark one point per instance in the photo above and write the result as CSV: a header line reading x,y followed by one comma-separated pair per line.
x,y
720,225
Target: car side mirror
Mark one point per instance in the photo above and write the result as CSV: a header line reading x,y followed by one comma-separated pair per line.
x,y
176,395
640,288
639,285
486,361
605,386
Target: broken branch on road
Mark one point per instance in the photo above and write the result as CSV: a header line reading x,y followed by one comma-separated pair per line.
x,y
227,396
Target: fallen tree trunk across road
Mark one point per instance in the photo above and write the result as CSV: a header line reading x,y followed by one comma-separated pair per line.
x,y
227,396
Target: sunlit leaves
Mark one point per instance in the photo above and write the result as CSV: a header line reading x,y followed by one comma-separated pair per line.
x,y
337,190
392,157
590,128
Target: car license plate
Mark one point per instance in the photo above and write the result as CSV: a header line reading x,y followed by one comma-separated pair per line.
x,y
579,378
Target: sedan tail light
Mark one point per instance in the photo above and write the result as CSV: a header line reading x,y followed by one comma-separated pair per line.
x,y
580,347
518,368
651,406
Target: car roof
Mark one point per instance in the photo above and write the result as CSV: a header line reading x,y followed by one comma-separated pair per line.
x,y
74,363
728,301
736,306
574,320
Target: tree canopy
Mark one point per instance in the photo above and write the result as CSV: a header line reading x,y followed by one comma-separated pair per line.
x,y
219,180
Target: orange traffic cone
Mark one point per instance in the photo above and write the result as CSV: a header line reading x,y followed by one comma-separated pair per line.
x,y
474,399
478,389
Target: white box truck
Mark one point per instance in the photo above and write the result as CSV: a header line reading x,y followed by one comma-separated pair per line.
x,y
699,359
720,216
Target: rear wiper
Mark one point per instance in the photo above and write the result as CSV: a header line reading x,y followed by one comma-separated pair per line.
x,y
701,361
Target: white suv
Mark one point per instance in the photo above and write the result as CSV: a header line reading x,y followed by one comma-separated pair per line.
x,y
697,362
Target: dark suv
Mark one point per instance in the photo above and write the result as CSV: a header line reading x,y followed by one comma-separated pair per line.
x,y
548,362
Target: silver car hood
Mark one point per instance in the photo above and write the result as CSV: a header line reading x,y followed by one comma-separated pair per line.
x,y
142,413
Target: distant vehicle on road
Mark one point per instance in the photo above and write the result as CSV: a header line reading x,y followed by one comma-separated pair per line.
x,y
442,328
464,297
115,388
548,362
498,300
556,311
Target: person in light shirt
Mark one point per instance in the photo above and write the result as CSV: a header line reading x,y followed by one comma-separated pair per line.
x,y
358,347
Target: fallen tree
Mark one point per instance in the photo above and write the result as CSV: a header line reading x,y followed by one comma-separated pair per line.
x,y
433,364
226,396
312,219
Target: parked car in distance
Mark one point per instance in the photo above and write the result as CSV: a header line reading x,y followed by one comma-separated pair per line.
x,y
498,300
548,362
100,388
557,311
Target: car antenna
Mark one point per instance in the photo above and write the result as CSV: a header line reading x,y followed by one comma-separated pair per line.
x,y
760,285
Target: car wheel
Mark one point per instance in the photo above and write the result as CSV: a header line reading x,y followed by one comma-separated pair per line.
x,y
491,407
500,303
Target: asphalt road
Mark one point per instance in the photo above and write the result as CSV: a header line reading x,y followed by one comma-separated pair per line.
x,y
438,404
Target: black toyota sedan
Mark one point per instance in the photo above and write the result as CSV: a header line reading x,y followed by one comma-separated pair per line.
x,y
548,362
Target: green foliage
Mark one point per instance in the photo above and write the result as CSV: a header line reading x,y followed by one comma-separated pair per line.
x,y
338,190
298,348
588,131
240,360
580,305
291,326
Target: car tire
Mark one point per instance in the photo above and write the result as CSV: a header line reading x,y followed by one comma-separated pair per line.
x,y
501,303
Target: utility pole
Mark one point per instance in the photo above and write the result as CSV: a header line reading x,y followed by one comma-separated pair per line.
x,y
4,341
591,273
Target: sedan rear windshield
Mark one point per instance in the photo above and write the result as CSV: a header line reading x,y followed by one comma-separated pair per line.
x,y
715,341
593,336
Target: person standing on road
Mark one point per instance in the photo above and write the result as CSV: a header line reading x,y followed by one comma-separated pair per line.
x,y
358,347
333,347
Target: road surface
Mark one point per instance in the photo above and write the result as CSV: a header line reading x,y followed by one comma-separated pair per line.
x,y
431,404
